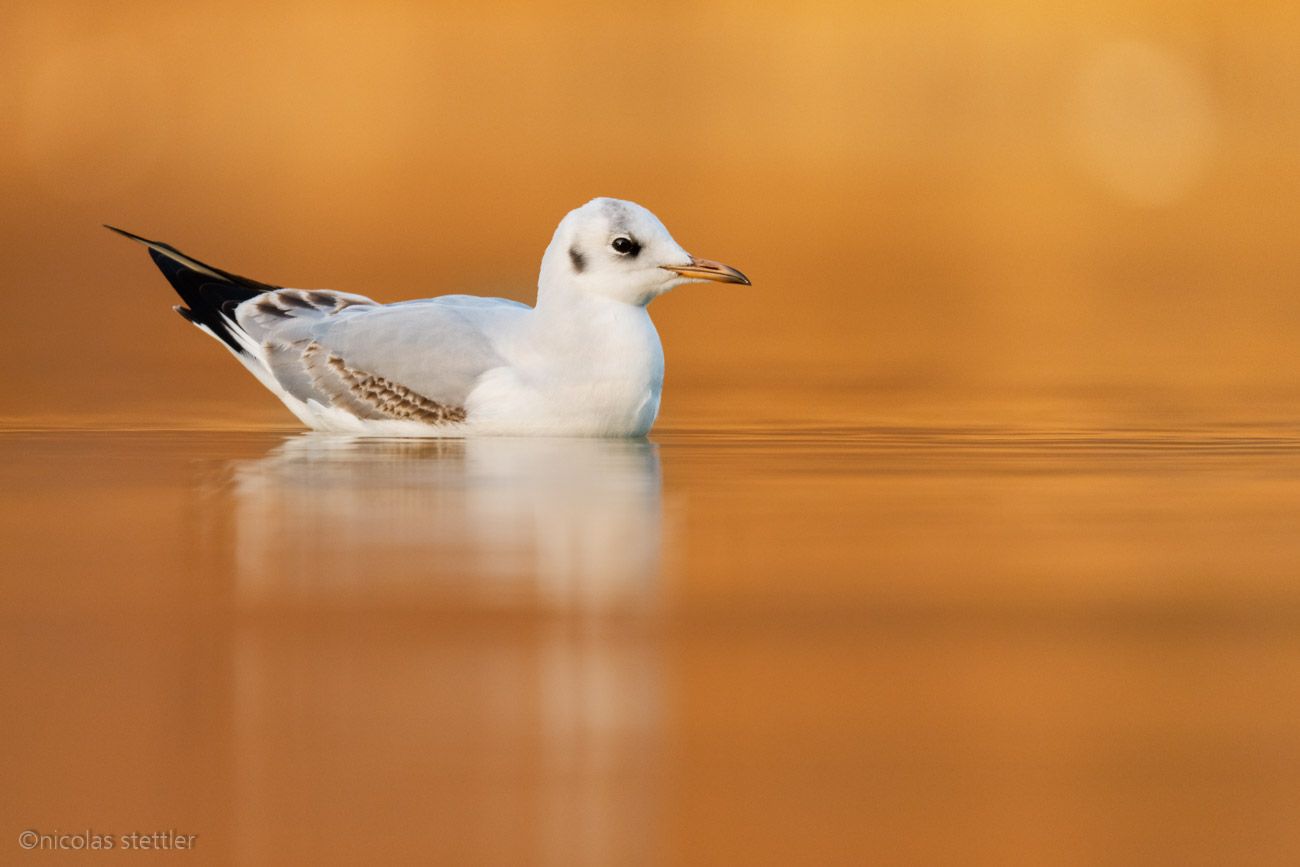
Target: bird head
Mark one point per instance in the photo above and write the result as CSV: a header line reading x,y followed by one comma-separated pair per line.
x,y
620,250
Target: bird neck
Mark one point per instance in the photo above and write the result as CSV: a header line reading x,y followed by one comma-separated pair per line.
x,y
606,332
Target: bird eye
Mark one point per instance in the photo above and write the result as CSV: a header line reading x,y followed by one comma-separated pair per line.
x,y
624,246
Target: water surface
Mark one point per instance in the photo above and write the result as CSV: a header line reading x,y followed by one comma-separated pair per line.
x,y
812,645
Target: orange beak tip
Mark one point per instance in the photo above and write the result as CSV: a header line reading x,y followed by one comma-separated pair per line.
x,y
707,269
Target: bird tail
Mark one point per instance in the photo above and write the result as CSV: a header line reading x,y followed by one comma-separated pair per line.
x,y
210,294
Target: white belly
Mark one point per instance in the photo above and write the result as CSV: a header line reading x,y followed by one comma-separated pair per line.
x,y
507,404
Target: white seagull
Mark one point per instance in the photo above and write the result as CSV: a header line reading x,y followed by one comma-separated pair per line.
x,y
585,361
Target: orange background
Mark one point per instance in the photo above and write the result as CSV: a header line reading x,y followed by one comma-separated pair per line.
x,y
979,199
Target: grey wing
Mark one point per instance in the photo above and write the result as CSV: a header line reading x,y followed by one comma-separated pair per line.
x,y
416,360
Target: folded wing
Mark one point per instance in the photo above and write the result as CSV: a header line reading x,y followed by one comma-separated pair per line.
x,y
414,361
327,352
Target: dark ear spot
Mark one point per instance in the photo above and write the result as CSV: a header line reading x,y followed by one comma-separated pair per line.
x,y
578,260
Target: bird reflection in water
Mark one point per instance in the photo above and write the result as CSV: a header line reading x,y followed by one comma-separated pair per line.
x,y
555,522
545,730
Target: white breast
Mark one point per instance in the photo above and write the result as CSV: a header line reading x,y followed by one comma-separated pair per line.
x,y
597,373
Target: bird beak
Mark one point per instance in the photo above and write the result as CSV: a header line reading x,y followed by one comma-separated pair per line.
x,y
707,269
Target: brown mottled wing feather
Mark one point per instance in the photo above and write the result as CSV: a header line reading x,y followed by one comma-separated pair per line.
x,y
415,361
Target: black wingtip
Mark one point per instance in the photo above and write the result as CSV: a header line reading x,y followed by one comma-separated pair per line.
x,y
125,234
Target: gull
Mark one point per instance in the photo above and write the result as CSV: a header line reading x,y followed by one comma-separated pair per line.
x,y
585,360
